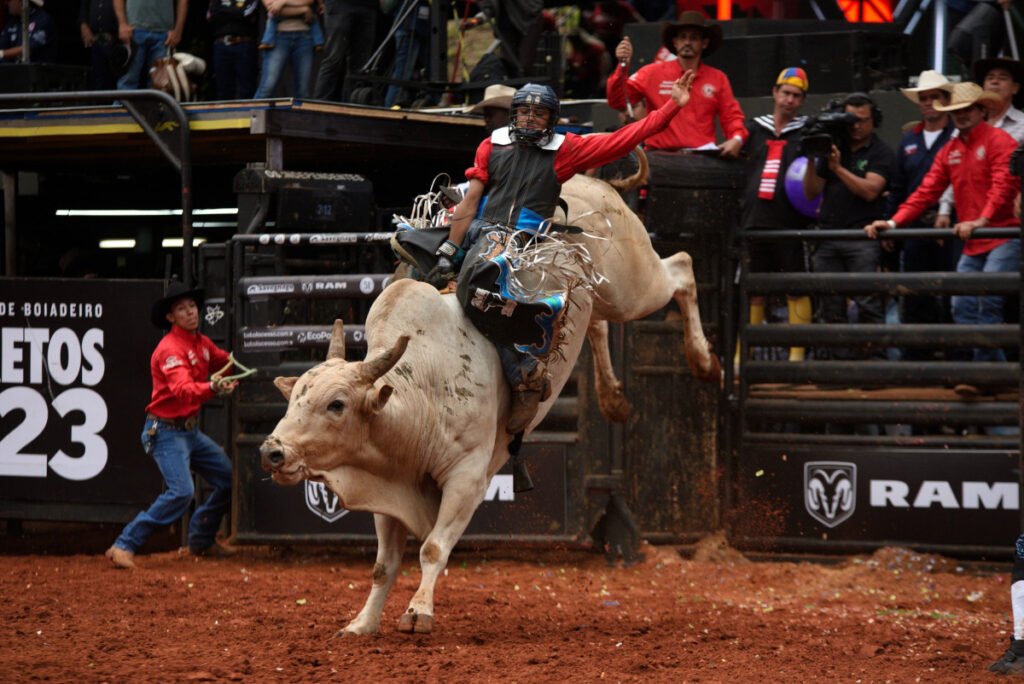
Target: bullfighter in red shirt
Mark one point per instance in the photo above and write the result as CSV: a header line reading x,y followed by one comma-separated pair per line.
x,y
690,39
181,367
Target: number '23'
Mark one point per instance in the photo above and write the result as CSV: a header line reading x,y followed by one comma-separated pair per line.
x,y
17,464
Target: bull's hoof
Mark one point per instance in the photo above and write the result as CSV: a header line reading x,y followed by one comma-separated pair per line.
x,y
615,409
413,622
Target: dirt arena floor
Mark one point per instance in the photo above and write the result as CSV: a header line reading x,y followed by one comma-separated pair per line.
x,y
511,615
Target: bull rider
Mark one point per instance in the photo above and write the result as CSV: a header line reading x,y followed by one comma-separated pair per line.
x,y
514,186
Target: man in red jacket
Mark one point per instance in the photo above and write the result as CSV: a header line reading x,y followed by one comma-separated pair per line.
x,y
690,39
977,164
181,367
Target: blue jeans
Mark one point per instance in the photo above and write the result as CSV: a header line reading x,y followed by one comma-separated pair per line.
x,y
412,51
234,70
175,450
294,48
147,46
981,309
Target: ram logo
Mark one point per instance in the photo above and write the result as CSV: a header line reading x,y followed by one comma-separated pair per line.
x,y
830,491
323,502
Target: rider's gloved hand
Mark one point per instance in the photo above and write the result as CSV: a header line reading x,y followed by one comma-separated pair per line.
x,y
448,255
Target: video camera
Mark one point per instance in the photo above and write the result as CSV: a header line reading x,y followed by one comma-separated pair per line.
x,y
826,129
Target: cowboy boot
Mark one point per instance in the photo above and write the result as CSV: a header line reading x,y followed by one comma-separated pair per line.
x,y
526,397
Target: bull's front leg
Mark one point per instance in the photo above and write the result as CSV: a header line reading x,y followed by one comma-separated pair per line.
x,y
391,537
461,495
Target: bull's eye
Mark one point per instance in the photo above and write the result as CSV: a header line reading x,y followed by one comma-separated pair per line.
x,y
337,406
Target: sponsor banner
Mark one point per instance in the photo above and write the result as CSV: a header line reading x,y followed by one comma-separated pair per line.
x,y
313,238
359,286
926,496
309,508
74,384
287,337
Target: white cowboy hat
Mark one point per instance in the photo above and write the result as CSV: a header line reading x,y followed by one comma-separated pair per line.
x,y
967,94
495,95
928,80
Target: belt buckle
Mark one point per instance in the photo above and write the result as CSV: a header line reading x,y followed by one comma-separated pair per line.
x,y
190,423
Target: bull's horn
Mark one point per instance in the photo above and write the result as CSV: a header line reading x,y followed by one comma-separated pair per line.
x,y
384,361
337,348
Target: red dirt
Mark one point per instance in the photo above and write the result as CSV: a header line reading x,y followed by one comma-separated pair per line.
x,y
509,615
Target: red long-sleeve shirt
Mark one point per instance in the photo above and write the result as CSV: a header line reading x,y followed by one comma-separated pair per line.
x,y
978,167
181,366
579,153
710,95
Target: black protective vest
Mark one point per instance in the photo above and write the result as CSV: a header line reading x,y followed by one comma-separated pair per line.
x,y
523,188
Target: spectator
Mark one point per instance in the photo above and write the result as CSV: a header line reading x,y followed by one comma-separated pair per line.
x,y
233,23
853,178
98,25
412,52
520,24
977,165
914,156
690,39
1002,77
351,28
181,365
587,64
979,29
293,46
773,141
495,106
42,34
151,28
607,21
269,37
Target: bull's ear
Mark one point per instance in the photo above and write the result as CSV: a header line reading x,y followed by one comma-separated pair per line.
x,y
383,394
286,385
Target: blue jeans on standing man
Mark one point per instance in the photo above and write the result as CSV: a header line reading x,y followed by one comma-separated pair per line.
x,y
982,309
147,47
175,450
294,48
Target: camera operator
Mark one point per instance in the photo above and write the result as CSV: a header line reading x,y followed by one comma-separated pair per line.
x,y
853,177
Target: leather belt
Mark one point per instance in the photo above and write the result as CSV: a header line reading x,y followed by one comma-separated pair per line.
x,y
233,40
187,423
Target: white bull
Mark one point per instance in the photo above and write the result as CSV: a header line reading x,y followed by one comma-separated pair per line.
x,y
415,433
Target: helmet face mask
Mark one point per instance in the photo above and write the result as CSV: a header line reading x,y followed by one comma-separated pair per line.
x,y
533,96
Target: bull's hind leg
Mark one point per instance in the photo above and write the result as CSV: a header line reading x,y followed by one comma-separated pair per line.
x,y
610,397
391,536
703,364
461,494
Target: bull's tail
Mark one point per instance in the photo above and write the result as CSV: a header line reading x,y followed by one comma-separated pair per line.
x,y
638,179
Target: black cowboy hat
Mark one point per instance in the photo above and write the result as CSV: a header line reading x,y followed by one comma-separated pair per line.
x,y
981,68
692,19
174,291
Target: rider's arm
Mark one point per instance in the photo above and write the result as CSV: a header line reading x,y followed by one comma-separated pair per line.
x,y
466,211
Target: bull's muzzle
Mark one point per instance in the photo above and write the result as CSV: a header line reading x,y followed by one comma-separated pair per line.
x,y
271,453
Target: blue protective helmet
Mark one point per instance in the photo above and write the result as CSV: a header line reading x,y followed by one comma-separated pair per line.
x,y
538,96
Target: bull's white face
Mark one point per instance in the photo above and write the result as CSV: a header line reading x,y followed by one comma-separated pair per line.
x,y
331,408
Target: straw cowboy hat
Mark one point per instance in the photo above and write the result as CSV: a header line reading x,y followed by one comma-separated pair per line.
x,y
175,290
692,19
495,95
928,80
968,94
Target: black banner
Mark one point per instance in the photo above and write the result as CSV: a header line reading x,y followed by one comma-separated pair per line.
x,y
831,496
74,384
